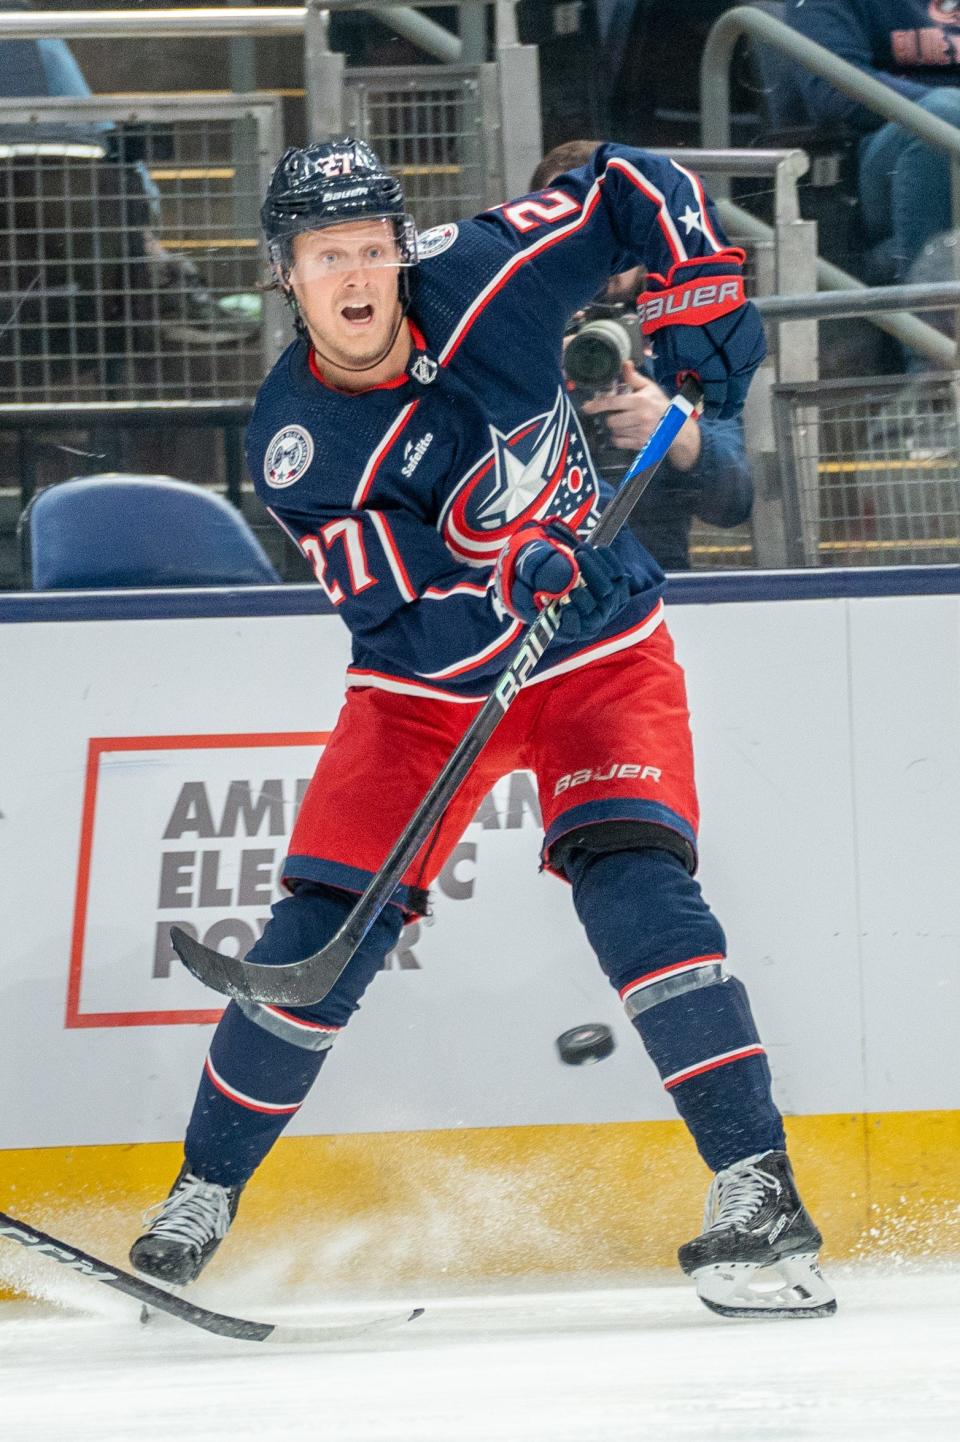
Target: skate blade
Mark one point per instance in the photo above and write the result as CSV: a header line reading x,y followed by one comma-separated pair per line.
x,y
792,1287
152,1316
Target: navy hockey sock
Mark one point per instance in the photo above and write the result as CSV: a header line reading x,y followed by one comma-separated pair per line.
x,y
263,1060
705,1046
663,950
252,1085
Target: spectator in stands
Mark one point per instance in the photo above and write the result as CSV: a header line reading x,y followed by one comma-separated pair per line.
x,y
913,46
706,474
186,311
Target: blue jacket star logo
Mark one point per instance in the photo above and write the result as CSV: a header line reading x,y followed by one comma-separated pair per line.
x,y
540,468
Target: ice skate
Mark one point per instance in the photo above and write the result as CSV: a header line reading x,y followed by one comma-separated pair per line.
x,y
185,1229
757,1253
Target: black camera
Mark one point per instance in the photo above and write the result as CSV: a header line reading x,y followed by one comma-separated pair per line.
x,y
599,341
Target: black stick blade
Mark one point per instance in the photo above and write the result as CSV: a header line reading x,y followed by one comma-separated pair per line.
x,y
26,1235
144,1292
301,983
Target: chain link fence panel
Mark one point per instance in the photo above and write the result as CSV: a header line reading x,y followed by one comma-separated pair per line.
x,y
131,265
874,467
428,128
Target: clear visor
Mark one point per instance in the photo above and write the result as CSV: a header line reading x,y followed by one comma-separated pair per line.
x,y
363,245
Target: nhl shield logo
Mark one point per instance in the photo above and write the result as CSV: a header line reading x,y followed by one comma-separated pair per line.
x,y
540,468
424,369
288,457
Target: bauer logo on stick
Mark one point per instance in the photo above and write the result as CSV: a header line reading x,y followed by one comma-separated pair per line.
x,y
288,457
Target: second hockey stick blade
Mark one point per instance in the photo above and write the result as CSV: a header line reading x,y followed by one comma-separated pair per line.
x,y
145,1292
303,983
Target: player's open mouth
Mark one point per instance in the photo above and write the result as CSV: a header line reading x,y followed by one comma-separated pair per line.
x,y
357,314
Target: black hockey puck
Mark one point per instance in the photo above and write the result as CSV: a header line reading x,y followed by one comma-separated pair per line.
x,y
582,1045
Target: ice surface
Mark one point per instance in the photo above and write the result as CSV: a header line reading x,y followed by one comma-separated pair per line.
x,y
610,1364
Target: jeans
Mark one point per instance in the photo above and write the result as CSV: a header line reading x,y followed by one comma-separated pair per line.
x,y
905,184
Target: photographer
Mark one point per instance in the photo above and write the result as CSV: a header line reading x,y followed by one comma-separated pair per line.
x,y
706,473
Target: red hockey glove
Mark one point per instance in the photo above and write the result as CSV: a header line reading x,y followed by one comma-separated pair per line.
x,y
536,566
543,562
702,325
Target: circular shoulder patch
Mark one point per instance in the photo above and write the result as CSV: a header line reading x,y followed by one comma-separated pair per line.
x,y
436,241
288,457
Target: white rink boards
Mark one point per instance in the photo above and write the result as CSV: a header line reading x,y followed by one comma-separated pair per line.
x,y
154,751
829,771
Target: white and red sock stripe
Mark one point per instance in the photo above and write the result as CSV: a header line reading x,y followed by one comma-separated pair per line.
x,y
675,969
253,1104
300,1021
711,1063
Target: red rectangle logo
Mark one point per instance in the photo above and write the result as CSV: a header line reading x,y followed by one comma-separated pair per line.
x,y
188,830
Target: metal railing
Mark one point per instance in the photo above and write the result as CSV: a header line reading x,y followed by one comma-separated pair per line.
x,y
429,129
228,23
743,21
104,430
869,467
510,139
131,267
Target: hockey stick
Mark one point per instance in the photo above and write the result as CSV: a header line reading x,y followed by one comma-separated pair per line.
x,y
302,983
223,1325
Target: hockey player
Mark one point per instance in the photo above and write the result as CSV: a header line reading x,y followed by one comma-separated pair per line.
x,y
417,442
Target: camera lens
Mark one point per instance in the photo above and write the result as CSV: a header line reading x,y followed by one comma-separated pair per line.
x,y
595,354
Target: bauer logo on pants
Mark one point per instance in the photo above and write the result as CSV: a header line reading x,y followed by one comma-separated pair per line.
x,y
288,457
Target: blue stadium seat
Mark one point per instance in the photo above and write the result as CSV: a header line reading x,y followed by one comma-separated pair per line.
x,y
107,531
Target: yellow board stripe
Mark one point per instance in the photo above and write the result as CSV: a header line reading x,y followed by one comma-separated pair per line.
x,y
912,543
195,172
882,463
485,1204
179,242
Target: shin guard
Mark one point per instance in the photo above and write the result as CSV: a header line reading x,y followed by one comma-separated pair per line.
x,y
663,950
263,1059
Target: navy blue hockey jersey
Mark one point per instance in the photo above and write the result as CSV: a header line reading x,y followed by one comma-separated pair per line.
x,y
402,495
